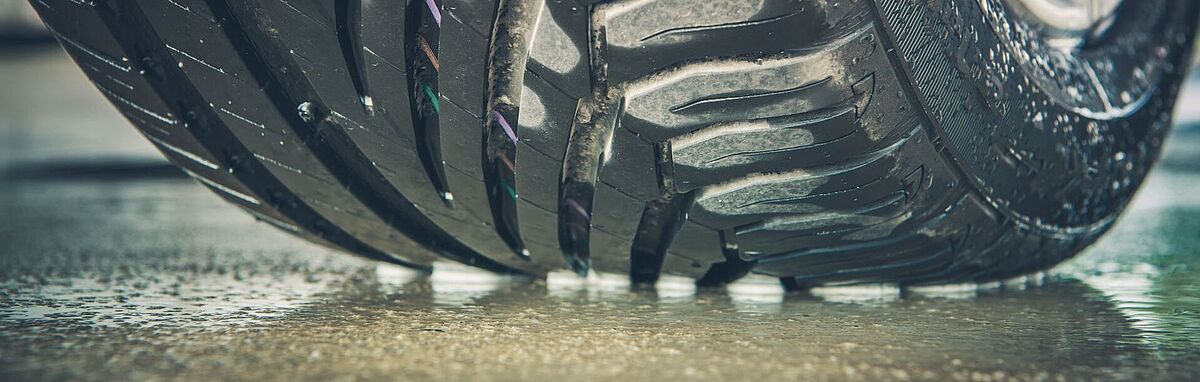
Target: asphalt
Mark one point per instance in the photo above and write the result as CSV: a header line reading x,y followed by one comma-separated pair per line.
x,y
115,267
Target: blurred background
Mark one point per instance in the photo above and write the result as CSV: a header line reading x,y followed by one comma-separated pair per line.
x,y
113,265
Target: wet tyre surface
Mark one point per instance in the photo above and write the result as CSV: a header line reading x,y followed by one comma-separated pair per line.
x,y
820,142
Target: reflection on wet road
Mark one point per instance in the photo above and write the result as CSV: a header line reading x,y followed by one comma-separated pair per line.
x,y
140,275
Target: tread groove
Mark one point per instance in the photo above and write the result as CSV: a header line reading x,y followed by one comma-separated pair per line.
x,y
595,121
349,31
733,268
656,231
511,34
660,221
591,134
424,97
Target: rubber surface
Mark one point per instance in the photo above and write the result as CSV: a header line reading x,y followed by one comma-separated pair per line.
x,y
816,141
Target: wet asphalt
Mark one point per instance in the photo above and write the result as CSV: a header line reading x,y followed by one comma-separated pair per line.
x,y
113,266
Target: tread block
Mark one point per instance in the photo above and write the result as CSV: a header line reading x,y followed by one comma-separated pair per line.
x,y
537,177
695,95
756,196
643,36
609,253
698,243
544,124
476,15
560,51
616,212
630,165
462,140
539,228
462,78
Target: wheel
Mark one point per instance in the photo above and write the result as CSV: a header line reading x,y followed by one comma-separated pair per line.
x,y
820,141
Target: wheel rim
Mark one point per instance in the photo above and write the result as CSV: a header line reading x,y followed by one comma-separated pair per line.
x,y
1067,22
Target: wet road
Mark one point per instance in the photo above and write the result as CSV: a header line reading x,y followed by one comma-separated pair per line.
x,y
112,266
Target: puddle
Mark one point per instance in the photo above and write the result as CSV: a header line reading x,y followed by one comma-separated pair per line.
x,y
91,289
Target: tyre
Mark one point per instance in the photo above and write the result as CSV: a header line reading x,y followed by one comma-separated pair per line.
x,y
820,141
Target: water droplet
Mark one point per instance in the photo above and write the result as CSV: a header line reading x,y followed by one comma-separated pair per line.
x,y
307,111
